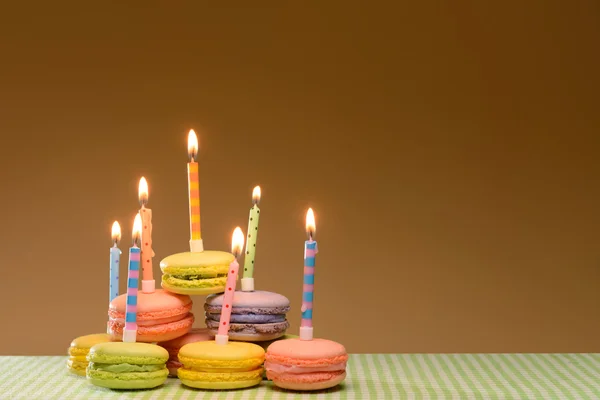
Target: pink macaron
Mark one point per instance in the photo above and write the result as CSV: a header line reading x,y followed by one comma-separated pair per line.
x,y
173,346
161,316
306,364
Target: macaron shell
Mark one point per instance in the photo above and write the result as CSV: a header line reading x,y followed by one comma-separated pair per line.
x,y
221,385
76,366
211,356
128,353
87,341
195,335
257,298
201,378
310,385
305,351
252,337
140,380
160,304
156,333
197,259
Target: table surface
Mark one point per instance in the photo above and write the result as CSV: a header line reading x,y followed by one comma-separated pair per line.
x,y
370,376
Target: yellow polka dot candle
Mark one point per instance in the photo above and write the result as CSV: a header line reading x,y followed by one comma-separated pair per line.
x,y
194,193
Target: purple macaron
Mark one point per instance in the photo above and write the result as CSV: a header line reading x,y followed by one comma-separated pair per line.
x,y
255,316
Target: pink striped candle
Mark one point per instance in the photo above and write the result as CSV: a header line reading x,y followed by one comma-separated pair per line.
x,y
237,244
308,288
130,330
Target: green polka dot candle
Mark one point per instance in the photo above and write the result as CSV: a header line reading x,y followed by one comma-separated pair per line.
x,y
248,277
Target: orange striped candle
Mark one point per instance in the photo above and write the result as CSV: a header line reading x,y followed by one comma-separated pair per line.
x,y
194,193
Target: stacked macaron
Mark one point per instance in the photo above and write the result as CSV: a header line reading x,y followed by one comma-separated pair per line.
x,y
208,365
256,316
79,349
196,273
161,316
306,364
119,365
173,346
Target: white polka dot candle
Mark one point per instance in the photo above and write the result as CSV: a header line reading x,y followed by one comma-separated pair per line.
x,y
148,285
308,288
237,244
248,279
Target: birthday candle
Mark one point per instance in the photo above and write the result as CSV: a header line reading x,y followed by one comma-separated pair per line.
x,y
130,330
115,257
194,193
148,285
310,251
248,279
237,244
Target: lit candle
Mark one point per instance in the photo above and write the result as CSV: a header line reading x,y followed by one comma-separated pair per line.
x,y
115,257
248,279
194,194
310,250
130,330
237,244
148,285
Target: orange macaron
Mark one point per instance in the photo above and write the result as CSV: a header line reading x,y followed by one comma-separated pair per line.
x,y
298,364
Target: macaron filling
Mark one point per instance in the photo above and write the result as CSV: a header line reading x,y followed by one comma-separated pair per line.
x,y
194,281
125,367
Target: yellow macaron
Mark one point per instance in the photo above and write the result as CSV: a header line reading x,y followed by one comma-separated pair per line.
x,y
79,349
208,365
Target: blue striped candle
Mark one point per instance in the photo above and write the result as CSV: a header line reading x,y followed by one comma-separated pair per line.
x,y
130,330
308,287
310,250
132,292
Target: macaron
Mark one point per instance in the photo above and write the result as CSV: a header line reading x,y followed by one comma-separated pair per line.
x,y
306,364
119,365
161,316
208,365
196,273
173,346
255,316
265,345
79,349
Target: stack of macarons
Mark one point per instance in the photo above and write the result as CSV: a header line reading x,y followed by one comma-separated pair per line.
x,y
79,349
208,365
161,316
174,345
256,316
120,365
196,273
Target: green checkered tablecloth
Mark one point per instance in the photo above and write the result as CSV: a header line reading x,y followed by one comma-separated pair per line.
x,y
370,376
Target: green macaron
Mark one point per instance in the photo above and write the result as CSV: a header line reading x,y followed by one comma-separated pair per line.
x,y
119,365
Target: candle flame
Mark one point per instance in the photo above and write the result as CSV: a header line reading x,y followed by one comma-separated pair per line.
x,y
310,223
192,145
143,192
256,195
137,230
116,233
237,242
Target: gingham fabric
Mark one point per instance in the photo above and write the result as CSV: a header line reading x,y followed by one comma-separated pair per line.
x,y
370,376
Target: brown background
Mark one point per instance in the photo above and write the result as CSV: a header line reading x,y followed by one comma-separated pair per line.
x,y
450,153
